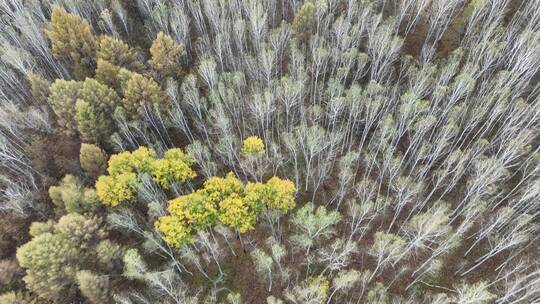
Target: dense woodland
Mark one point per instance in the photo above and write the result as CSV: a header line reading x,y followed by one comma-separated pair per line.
x,y
269,151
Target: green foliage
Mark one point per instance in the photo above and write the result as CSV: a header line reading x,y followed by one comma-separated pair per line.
x,y
305,20
469,8
476,293
72,41
93,160
377,295
234,298
10,298
273,300
118,53
263,265
141,92
313,224
166,56
38,228
122,79
387,246
391,106
429,227
53,258
39,88
345,280
70,195
18,297
313,290
63,96
90,125
109,74
94,111
99,95
108,253
93,287
134,265
84,107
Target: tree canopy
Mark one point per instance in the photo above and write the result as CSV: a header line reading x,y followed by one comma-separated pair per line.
x,y
225,200
263,151
126,168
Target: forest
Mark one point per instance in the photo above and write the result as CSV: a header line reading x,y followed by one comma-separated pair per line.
x,y
269,151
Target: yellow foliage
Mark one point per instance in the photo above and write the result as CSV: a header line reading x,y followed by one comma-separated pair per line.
x,y
253,146
125,167
175,166
218,188
256,194
237,213
142,159
165,172
120,163
283,193
178,154
321,284
115,190
195,208
139,160
275,194
174,230
226,200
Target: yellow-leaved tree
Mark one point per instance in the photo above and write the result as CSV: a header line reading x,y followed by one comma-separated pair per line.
x,y
173,167
227,201
114,190
125,168
276,198
253,146
253,161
